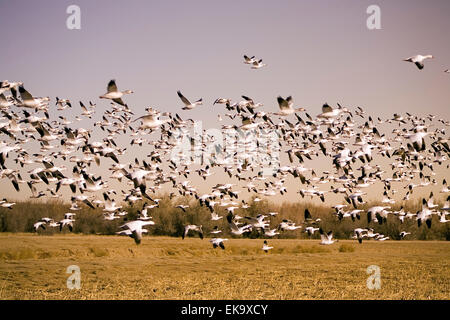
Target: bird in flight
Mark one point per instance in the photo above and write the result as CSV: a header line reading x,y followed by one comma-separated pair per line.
x,y
114,94
419,59
187,104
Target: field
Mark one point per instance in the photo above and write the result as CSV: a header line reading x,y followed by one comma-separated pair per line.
x,y
113,267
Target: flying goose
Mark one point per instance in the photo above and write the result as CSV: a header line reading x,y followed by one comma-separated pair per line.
x,y
328,112
29,101
287,106
151,121
114,94
311,230
218,242
192,227
326,238
266,247
235,229
39,224
187,103
359,234
136,228
425,215
418,60
258,64
270,232
215,230
248,60
66,222
403,234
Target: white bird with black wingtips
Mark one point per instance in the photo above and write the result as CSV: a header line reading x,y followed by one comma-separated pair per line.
x,y
419,59
187,104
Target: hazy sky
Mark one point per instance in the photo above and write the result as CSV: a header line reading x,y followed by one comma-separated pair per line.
x,y
316,51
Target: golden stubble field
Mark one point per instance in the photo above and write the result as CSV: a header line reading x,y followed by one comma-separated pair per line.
x,y
113,267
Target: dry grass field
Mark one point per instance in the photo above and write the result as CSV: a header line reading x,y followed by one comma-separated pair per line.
x,y
113,267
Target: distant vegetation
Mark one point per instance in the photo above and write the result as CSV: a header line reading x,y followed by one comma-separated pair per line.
x,y
170,221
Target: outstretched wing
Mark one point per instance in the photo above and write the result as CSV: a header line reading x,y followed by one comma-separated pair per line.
x,y
25,94
307,215
282,103
119,101
183,98
326,108
112,86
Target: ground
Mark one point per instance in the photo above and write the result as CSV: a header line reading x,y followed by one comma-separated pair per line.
x,y
114,267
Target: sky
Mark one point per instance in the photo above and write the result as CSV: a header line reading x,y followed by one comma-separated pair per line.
x,y
316,51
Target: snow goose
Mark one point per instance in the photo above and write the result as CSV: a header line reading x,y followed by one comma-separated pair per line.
x,y
66,222
136,228
403,234
446,206
235,229
29,101
311,230
442,218
249,60
288,225
222,101
326,238
114,94
218,242
270,232
258,64
187,103
215,230
39,224
419,59
328,112
359,234
381,237
192,227
424,215
151,121
110,205
287,106
266,247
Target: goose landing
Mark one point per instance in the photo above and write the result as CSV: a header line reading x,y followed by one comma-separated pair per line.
x,y
218,242
327,238
266,247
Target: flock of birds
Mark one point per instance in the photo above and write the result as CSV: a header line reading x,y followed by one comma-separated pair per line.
x,y
44,148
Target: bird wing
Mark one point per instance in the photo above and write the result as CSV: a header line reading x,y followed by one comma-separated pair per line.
x,y
112,86
25,94
326,108
330,235
183,98
119,101
146,118
307,215
282,103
